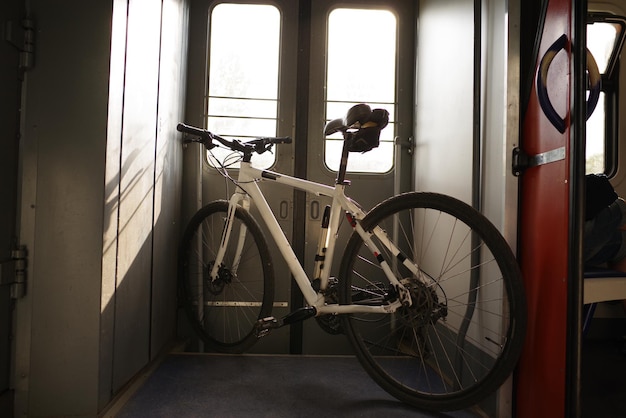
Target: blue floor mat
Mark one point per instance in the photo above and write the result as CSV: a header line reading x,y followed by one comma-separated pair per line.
x,y
208,385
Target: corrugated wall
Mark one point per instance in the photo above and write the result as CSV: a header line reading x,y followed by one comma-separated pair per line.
x,y
100,199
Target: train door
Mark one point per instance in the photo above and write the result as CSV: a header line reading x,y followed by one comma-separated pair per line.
x,y
573,46
552,136
277,82
369,50
241,84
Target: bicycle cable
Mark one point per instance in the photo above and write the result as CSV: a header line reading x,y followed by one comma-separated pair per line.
x,y
222,166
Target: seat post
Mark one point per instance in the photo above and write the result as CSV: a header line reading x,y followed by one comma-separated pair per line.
x,y
343,164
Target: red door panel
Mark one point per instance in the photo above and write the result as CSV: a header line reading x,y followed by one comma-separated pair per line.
x,y
544,208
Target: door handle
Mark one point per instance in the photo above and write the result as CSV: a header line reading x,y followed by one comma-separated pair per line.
x,y
542,80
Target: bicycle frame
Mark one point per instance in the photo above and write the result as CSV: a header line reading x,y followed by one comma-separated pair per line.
x,y
417,355
248,190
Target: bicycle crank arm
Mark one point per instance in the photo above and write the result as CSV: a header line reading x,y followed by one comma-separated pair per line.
x,y
265,325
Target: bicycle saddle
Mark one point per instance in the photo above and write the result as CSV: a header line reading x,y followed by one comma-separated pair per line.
x,y
368,123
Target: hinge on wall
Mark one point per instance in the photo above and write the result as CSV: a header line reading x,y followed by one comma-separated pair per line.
x,y
22,36
521,161
408,144
13,272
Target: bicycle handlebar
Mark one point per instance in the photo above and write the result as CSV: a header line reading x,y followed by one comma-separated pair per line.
x,y
258,145
192,130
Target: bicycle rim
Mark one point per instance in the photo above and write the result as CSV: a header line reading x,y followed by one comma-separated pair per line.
x,y
225,309
463,334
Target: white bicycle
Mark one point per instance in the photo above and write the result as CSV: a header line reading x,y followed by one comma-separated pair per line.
x,y
428,291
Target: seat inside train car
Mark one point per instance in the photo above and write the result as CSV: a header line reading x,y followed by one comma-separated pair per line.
x,y
601,285
605,37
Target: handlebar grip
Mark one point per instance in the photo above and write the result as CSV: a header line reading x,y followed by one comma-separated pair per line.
x,y
283,140
188,129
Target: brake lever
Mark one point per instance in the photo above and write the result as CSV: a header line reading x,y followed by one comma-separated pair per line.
x,y
260,148
210,145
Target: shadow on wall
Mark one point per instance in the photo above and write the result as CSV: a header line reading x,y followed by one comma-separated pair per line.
x,y
143,182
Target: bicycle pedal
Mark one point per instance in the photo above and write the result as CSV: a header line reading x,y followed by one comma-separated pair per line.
x,y
264,325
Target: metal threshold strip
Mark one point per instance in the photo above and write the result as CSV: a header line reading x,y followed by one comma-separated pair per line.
x,y
236,304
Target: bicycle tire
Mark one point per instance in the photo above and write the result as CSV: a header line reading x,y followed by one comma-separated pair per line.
x,y
455,346
231,304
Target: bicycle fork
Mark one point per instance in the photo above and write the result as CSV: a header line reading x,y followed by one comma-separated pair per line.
x,y
237,198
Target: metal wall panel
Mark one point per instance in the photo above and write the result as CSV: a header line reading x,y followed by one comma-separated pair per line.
x,y
444,96
102,168
9,108
111,197
168,173
65,126
136,202
145,169
446,115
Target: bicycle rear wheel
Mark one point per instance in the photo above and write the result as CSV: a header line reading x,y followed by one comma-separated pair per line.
x,y
464,332
224,311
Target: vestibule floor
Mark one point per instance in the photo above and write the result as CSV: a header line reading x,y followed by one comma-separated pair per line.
x,y
603,378
212,385
209,385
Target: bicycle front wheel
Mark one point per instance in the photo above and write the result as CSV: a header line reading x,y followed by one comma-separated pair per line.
x,y
223,310
463,333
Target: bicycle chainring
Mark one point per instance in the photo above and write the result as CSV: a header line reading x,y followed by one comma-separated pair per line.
x,y
330,323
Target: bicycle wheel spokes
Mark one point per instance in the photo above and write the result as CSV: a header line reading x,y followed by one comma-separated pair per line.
x,y
458,341
225,307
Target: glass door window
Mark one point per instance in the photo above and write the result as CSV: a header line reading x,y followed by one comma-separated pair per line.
x,y
605,35
243,70
361,68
